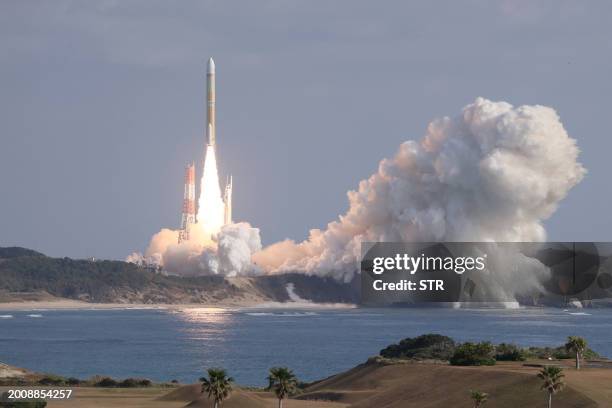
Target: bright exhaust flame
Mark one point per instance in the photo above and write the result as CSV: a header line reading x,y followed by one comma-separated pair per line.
x,y
211,210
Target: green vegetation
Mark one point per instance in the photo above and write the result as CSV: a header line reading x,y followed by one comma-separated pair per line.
x,y
283,382
553,381
479,398
509,352
474,354
424,347
576,345
95,381
106,382
5,403
50,379
23,271
16,252
14,382
218,385
439,347
559,353
135,383
100,281
72,381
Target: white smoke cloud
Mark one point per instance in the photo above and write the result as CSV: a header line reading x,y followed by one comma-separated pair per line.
x,y
493,173
228,254
236,244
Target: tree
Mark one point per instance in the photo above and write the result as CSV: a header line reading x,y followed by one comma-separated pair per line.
x,y
6,403
218,385
424,347
283,382
479,398
509,352
474,354
553,381
576,345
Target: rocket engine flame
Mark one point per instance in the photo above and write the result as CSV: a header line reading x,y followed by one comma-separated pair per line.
x,y
211,209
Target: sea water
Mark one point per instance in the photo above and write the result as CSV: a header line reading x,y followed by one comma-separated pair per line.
x,y
165,344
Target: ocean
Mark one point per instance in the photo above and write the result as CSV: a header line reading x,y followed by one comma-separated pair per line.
x,y
180,344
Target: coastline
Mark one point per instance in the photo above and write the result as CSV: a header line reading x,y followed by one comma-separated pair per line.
x,y
69,304
79,305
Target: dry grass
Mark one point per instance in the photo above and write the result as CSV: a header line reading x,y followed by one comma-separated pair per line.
x,y
420,385
427,386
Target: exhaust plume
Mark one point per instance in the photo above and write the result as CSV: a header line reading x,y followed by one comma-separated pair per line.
x,y
492,173
211,209
212,248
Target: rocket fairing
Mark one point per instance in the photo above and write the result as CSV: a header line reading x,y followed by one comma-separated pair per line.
x,y
210,87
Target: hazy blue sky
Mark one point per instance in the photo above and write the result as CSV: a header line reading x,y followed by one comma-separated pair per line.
x,y
102,104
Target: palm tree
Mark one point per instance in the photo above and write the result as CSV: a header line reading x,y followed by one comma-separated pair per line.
x,y
283,381
553,381
577,345
479,398
218,385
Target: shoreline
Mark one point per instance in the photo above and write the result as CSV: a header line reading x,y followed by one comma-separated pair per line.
x,y
71,304
68,304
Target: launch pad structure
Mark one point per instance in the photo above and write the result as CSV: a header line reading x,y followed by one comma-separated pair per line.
x,y
188,218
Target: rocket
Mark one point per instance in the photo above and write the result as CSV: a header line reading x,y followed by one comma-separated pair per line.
x,y
211,135
210,86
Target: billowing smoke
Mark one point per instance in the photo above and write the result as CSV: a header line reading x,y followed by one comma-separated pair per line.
x,y
212,247
228,254
493,173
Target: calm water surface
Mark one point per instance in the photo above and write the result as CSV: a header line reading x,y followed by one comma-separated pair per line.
x,y
167,344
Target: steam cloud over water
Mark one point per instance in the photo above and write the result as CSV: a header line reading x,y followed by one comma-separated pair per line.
x,y
493,173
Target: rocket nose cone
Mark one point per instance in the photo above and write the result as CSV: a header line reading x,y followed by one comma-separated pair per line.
x,y
211,66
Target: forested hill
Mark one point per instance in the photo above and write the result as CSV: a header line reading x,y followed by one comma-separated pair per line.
x,y
24,271
15,252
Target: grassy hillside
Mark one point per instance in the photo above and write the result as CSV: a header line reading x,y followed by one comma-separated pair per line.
x,y
421,385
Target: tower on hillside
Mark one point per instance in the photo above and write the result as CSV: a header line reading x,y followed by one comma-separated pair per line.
x,y
188,215
227,199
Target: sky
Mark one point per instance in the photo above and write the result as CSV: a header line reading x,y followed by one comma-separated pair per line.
x,y
102,105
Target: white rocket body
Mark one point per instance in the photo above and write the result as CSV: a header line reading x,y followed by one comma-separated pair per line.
x,y
210,99
211,134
